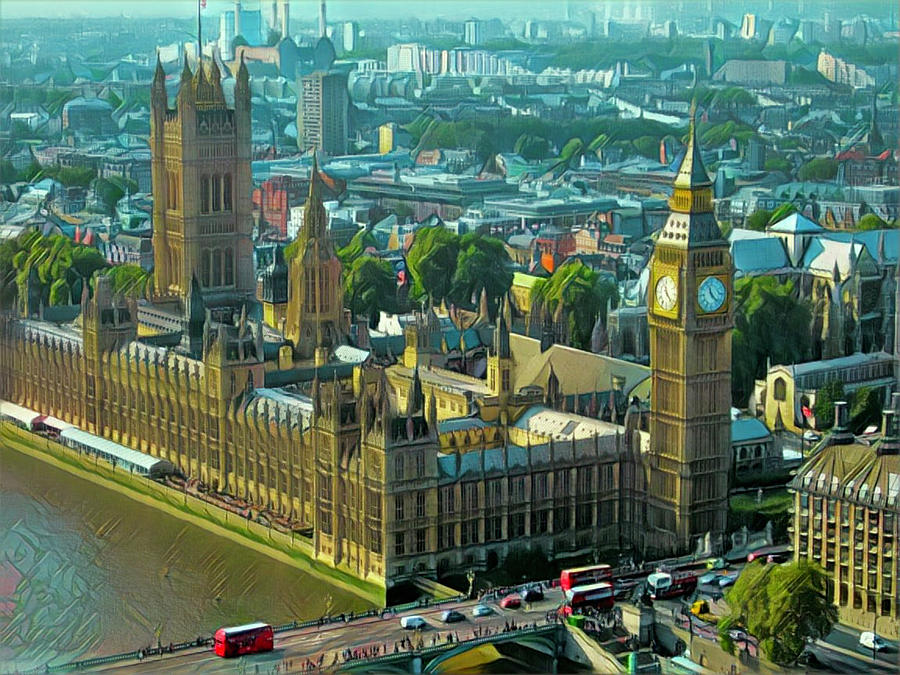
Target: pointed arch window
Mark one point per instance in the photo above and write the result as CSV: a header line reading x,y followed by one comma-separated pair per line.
x,y
205,269
217,193
229,267
226,193
204,194
217,267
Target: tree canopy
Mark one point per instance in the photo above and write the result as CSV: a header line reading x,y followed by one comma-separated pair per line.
x,y
370,287
131,280
758,220
827,395
783,606
482,265
432,263
581,293
57,268
871,221
818,169
357,246
770,324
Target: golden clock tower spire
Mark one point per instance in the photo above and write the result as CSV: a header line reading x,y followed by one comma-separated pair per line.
x,y
690,317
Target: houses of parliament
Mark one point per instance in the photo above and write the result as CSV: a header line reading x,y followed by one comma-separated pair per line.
x,y
248,382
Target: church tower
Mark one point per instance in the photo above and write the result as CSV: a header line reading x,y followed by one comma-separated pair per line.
x,y
200,171
315,304
690,317
499,368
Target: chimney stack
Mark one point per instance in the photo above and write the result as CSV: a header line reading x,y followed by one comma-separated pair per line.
x,y
840,415
322,24
840,434
890,434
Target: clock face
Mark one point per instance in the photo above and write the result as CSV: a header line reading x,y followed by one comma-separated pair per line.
x,y
666,293
711,294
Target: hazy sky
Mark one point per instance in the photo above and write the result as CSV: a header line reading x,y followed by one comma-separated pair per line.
x,y
342,10
337,9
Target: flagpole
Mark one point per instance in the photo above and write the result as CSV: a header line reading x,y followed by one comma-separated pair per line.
x,y
199,40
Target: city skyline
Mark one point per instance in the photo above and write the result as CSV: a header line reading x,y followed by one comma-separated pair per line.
x,y
349,10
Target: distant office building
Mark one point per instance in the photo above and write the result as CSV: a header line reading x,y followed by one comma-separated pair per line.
x,y
322,112
753,72
478,32
756,155
89,115
247,23
842,72
748,26
349,35
404,58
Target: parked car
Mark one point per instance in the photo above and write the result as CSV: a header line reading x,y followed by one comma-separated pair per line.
x,y
481,610
728,579
452,616
533,594
811,436
413,622
511,601
870,640
716,564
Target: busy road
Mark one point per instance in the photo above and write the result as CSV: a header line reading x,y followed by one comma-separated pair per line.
x,y
335,643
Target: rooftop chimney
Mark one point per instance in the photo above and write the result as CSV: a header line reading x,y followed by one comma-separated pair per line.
x,y
890,434
839,434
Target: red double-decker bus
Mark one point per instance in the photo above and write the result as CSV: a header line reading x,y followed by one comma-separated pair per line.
x,y
581,576
600,596
671,584
248,639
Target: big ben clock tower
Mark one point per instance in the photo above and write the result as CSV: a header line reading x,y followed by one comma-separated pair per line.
x,y
690,317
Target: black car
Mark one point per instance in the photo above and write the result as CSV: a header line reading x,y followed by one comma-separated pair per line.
x,y
452,616
533,594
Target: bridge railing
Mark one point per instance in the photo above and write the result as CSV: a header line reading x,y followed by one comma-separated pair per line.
x,y
448,646
124,656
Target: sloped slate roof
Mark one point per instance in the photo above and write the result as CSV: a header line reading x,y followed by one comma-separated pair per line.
x,y
748,429
755,255
796,223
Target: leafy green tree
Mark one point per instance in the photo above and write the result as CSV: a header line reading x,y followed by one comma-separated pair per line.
x,y
782,212
60,293
865,408
131,280
273,37
31,172
770,324
826,397
776,163
108,193
482,264
530,147
239,41
647,146
357,246
370,287
758,220
783,606
8,173
582,294
432,263
871,221
818,169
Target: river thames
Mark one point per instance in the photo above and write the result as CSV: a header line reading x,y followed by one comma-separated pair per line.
x,y
85,571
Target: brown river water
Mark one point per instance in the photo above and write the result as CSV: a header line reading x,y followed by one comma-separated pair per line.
x,y
85,571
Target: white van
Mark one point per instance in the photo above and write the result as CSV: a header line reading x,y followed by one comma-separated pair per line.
x,y
869,640
413,622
